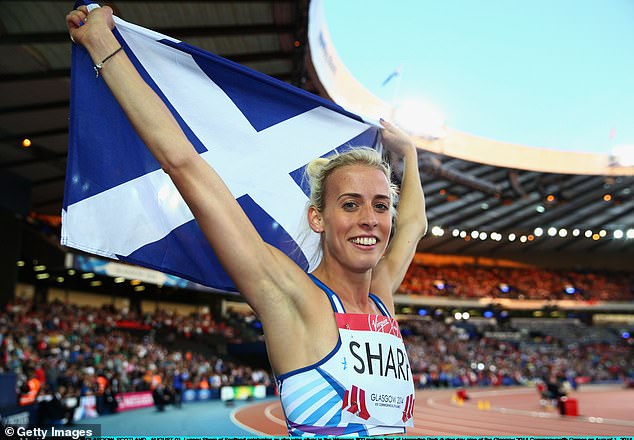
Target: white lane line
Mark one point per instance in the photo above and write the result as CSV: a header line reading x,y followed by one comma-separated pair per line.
x,y
235,421
269,415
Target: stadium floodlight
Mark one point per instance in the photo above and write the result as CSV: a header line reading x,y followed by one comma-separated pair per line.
x,y
463,234
552,231
483,236
617,234
455,232
437,231
474,234
588,233
538,232
576,232
603,233
523,238
512,237
623,155
563,232
630,233
457,316
419,117
540,209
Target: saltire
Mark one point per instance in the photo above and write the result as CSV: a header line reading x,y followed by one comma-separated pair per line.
x,y
257,132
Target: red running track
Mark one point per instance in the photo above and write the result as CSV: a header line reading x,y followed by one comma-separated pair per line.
x,y
603,411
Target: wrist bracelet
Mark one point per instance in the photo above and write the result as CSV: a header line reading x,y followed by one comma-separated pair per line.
x,y
99,66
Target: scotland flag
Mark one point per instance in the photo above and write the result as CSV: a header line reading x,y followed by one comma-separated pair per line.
x,y
257,132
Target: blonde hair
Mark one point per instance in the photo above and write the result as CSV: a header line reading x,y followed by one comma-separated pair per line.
x,y
319,169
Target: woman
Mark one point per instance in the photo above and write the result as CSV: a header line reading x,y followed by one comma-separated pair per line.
x,y
339,373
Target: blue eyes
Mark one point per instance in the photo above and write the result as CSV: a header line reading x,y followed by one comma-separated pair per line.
x,y
351,206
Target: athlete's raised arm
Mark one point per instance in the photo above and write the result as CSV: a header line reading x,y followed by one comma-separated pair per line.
x,y
411,221
263,274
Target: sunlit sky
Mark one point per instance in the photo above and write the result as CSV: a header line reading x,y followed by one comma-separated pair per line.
x,y
545,73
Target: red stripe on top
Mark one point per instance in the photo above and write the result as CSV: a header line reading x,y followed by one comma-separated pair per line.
x,y
372,323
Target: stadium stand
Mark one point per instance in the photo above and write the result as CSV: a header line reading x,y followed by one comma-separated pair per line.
x,y
467,281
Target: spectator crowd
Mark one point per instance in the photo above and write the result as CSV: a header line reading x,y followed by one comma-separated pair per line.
x,y
444,354
62,351
468,281
70,351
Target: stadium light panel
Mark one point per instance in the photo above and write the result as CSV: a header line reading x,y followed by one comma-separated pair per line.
x,y
419,118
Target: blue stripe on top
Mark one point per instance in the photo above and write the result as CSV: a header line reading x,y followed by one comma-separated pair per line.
x,y
312,396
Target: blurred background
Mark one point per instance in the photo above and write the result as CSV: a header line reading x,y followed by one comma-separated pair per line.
x,y
522,115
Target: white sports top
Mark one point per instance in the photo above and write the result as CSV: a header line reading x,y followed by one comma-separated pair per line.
x,y
362,387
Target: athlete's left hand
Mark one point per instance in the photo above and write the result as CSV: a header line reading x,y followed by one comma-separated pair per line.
x,y
395,140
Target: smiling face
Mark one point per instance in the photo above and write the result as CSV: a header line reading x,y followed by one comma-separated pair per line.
x,y
356,221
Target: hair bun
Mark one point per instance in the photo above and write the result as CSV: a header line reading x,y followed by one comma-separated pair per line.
x,y
316,166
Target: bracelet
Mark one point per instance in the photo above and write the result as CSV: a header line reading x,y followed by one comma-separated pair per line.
x,y
99,66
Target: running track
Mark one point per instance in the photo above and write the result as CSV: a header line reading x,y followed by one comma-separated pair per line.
x,y
603,411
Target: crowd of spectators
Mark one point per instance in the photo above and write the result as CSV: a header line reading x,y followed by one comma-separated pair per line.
x,y
469,281
75,350
79,350
444,354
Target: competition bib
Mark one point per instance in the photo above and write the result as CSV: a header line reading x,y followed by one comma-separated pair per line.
x,y
379,384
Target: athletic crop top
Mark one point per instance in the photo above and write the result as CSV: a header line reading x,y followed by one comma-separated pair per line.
x,y
362,387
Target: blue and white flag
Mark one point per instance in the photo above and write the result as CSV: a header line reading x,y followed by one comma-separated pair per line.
x,y
257,132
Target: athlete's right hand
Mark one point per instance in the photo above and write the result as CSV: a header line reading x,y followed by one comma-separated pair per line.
x,y
82,24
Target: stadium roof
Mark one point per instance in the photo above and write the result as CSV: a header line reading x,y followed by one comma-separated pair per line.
x,y
463,197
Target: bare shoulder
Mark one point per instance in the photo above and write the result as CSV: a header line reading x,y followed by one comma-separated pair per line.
x,y
300,329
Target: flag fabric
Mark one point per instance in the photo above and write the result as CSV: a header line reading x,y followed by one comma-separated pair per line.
x,y
257,132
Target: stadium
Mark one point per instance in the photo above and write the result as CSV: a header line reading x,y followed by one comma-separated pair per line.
x,y
517,312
